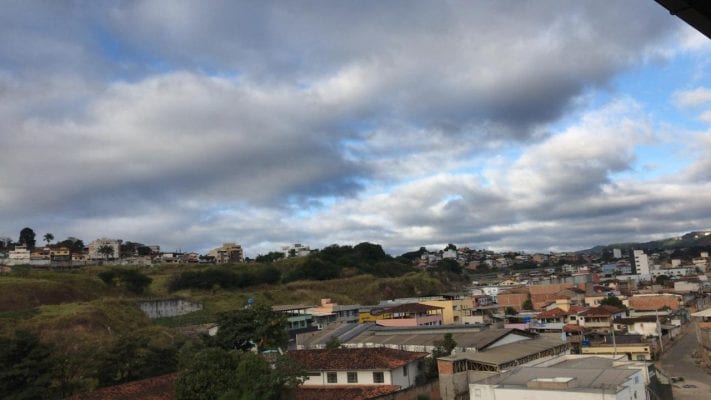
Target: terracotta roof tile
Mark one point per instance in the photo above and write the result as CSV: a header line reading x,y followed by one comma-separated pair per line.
x,y
651,303
156,388
343,392
601,311
354,359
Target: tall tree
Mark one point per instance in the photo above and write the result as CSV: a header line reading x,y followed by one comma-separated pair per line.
x,y
106,251
27,238
256,325
48,237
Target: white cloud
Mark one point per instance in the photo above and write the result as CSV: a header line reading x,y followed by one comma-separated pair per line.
x,y
692,98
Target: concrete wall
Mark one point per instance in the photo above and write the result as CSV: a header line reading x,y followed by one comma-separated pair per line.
x,y
431,390
168,308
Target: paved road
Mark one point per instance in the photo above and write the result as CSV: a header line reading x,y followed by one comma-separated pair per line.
x,y
677,361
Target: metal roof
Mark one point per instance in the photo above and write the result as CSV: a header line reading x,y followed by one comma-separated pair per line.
x,y
586,378
510,352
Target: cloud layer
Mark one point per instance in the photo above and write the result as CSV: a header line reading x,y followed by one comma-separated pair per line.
x,y
401,123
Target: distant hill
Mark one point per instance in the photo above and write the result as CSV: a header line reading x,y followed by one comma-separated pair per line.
x,y
689,240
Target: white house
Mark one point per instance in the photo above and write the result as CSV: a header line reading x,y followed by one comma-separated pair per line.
x,y
21,255
365,366
551,383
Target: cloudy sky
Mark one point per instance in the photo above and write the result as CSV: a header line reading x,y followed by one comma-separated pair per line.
x,y
541,125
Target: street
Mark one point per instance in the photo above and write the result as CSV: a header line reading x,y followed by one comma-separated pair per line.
x,y
677,360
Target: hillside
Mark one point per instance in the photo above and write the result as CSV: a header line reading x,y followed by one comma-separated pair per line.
x,y
698,239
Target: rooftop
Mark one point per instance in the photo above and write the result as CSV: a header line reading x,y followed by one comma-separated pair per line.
x,y
584,378
601,311
510,352
354,359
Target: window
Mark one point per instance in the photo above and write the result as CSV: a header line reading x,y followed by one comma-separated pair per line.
x,y
378,377
404,371
352,377
331,377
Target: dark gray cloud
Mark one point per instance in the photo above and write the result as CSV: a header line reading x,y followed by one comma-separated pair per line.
x,y
272,122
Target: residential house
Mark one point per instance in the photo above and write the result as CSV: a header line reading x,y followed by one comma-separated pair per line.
x,y
349,367
329,312
600,318
20,255
298,318
702,321
653,304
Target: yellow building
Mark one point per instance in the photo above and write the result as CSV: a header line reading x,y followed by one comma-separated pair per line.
x,y
453,310
634,351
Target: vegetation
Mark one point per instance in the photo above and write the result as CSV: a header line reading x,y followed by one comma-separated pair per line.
x,y
27,238
225,278
256,326
106,251
28,370
134,281
90,317
227,369
612,301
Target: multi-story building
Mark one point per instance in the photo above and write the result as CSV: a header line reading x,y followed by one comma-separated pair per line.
x,y
97,244
641,263
296,250
227,253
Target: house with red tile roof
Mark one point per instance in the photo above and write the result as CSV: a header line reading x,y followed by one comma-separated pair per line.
x,y
358,367
600,318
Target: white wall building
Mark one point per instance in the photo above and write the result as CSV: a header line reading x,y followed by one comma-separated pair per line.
x,y
21,255
296,250
348,367
641,262
551,383
94,247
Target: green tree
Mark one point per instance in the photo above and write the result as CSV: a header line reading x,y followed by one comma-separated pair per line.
x,y
612,301
216,373
133,357
207,374
445,346
253,326
48,237
449,265
510,311
527,304
134,281
106,251
27,238
27,368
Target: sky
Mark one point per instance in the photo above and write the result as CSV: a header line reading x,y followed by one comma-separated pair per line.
x,y
506,125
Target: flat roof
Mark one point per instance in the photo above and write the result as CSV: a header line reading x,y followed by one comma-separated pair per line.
x,y
585,378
